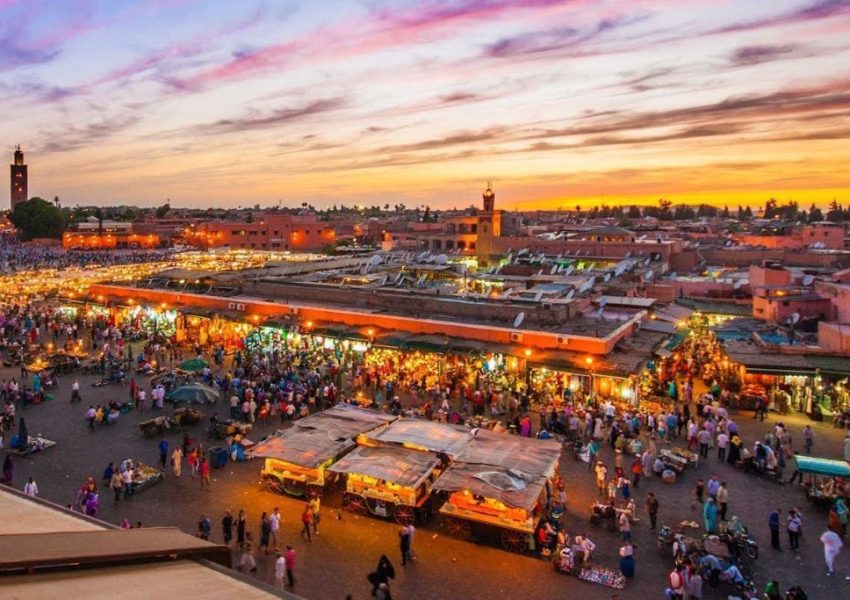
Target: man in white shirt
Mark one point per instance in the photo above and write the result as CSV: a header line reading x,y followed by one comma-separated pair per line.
x,y
279,570
30,488
274,521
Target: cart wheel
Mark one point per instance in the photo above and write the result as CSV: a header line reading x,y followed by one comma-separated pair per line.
x,y
458,528
272,484
515,541
354,503
315,491
404,515
752,552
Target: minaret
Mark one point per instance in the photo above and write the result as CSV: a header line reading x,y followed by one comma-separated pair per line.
x,y
489,225
18,178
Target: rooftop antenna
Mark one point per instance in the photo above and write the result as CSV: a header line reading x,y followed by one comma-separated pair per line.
x,y
518,320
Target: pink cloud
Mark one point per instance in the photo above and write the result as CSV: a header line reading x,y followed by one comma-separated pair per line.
x,y
380,30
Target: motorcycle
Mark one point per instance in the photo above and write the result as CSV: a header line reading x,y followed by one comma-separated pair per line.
x,y
741,544
114,377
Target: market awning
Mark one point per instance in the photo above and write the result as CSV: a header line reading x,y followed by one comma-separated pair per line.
x,y
676,340
674,313
822,466
428,343
393,340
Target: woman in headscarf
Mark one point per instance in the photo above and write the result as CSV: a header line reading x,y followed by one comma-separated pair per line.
x,y
709,513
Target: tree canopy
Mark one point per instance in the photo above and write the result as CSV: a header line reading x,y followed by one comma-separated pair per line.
x,y
38,218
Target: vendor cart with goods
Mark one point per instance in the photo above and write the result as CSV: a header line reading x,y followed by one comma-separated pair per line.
x,y
144,476
388,482
158,425
826,480
499,483
297,459
678,459
186,415
220,429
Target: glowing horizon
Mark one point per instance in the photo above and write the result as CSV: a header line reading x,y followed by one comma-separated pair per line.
x,y
559,102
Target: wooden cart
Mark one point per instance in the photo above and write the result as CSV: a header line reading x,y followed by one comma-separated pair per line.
x,y
499,483
297,459
389,482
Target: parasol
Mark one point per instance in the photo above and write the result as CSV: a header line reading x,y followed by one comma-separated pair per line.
x,y
195,365
194,393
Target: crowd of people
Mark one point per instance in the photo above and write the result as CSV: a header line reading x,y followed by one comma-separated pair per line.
x,y
293,376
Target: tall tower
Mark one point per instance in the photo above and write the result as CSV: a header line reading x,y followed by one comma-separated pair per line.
x,y
489,225
19,178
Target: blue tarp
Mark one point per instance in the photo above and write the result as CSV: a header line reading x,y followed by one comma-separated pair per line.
x,y
823,466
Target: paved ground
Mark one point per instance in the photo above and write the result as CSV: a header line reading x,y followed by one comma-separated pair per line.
x,y
336,563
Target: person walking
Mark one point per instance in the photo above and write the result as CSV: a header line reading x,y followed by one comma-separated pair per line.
x,y
163,452
279,570
204,471
808,439
241,525
204,527
601,478
382,573
265,532
306,522
723,500
773,523
404,545
31,488
652,510
315,506
227,527
274,521
116,484
794,527
290,565
625,527
832,545
709,513
247,562
177,461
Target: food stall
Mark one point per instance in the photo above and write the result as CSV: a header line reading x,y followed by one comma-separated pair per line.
x,y
297,459
499,481
389,481
827,480
419,434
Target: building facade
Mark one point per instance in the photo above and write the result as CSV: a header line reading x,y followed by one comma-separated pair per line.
x,y
267,231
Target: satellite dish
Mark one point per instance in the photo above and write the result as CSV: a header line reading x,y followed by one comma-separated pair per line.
x,y
521,252
384,280
553,270
738,284
728,243
628,254
570,294
540,272
649,275
794,318
518,320
808,280
603,301
538,296
506,293
375,260
421,279
607,277
441,259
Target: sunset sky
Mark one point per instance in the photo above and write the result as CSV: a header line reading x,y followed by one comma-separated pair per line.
x,y
377,101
